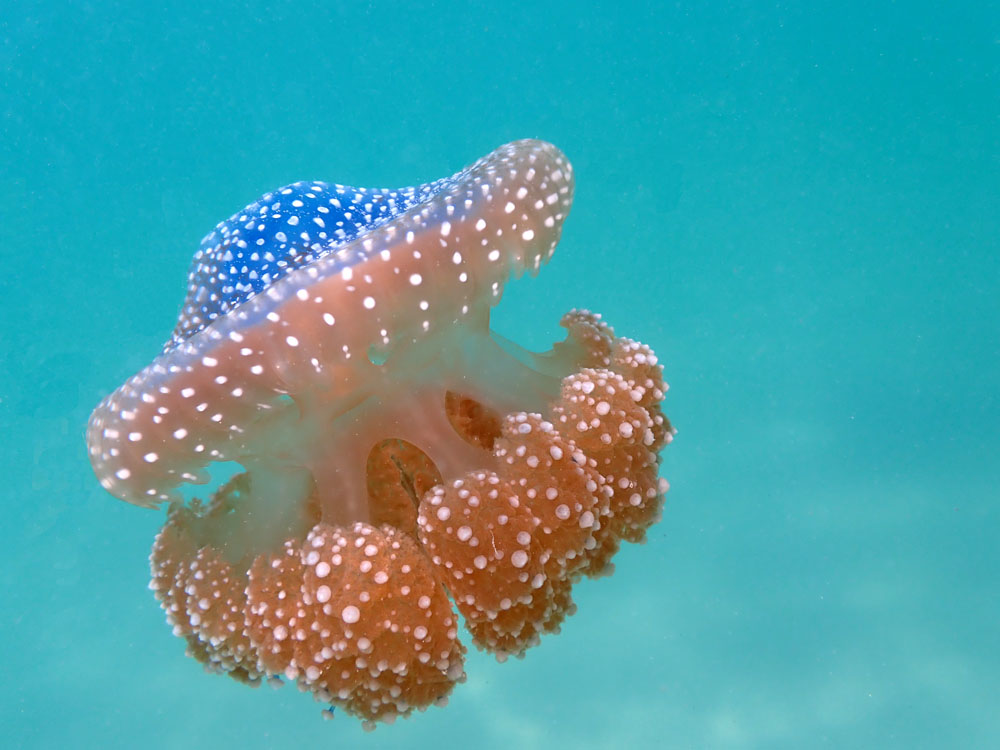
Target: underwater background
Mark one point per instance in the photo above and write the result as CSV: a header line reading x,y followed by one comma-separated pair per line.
x,y
795,205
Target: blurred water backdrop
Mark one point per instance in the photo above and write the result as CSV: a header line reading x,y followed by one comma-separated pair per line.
x,y
795,205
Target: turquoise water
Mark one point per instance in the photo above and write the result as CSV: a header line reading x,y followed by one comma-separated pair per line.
x,y
796,209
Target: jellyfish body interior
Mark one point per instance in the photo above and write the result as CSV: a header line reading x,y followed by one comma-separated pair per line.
x,y
397,455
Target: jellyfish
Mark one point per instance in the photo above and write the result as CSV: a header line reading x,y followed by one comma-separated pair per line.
x,y
400,463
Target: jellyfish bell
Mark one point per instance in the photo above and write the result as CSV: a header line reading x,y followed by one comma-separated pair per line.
x,y
335,343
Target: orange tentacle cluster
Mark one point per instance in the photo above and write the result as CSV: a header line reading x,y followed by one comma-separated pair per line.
x,y
360,615
204,598
509,544
355,615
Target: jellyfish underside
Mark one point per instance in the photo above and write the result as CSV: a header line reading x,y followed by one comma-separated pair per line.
x,y
433,413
